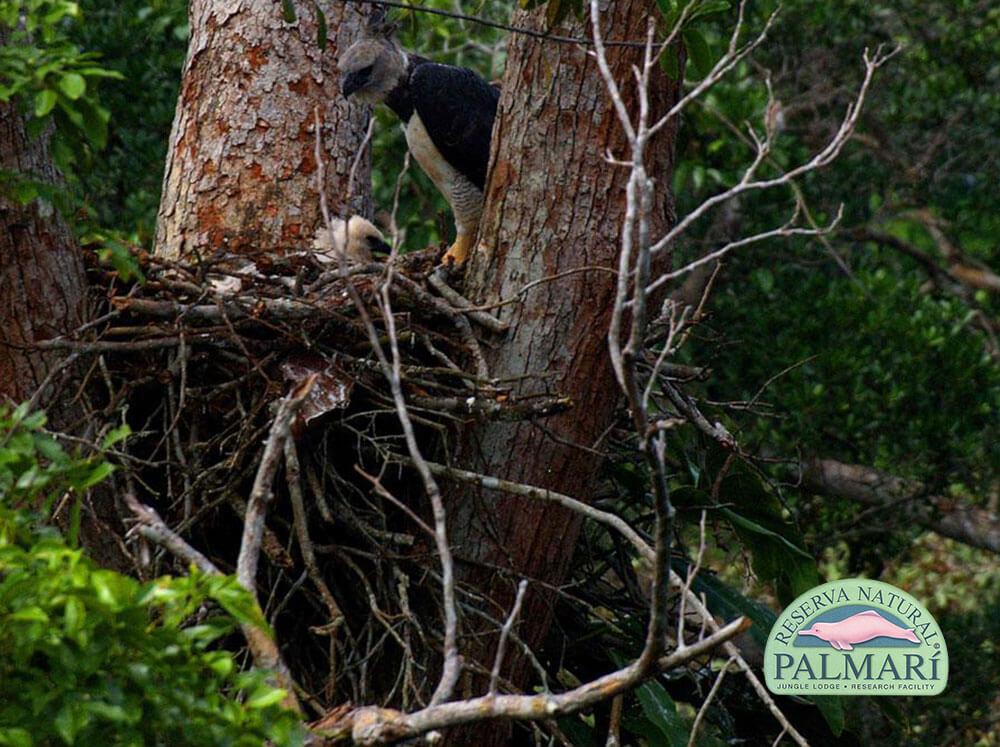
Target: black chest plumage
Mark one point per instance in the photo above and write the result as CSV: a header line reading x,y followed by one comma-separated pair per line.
x,y
457,108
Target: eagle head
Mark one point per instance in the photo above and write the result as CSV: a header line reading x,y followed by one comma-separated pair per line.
x,y
371,68
355,239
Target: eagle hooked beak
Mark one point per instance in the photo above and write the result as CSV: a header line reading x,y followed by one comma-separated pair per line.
x,y
355,81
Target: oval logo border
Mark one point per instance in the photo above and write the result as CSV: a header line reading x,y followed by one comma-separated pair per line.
x,y
856,637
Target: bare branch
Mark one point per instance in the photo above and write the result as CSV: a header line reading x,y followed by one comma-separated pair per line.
x,y
299,517
786,230
949,517
708,702
822,158
152,527
261,494
481,318
263,648
372,726
505,631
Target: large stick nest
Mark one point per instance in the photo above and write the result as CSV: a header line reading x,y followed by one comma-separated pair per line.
x,y
193,359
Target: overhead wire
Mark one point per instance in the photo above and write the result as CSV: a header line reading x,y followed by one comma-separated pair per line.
x,y
541,35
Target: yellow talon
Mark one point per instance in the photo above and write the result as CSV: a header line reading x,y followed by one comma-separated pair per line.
x,y
459,252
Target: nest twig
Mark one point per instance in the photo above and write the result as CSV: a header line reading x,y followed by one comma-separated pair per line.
x,y
195,359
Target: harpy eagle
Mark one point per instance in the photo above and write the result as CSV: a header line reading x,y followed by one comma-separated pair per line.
x,y
355,240
447,114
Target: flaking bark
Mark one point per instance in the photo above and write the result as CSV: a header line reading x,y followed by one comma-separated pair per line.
x,y
553,206
240,173
43,294
42,281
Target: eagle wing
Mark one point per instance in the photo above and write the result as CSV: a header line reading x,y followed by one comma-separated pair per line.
x,y
457,108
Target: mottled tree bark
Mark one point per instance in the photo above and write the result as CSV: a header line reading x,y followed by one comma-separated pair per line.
x,y
43,294
42,280
240,173
553,205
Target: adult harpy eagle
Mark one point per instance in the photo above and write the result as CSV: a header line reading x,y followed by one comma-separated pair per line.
x,y
447,114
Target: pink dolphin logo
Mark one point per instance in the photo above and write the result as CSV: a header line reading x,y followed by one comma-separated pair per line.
x,y
858,628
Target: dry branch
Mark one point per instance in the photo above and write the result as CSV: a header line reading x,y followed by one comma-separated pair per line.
x,y
949,517
373,726
263,647
262,492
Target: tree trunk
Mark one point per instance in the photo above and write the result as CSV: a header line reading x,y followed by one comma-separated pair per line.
x,y
553,205
42,280
43,294
241,172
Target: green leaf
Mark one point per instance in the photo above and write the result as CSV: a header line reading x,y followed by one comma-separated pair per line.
x,y
74,615
832,708
115,436
104,583
699,53
49,448
660,709
118,256
16,738
579,733
107,711
45,101
29,614
69,721
221,663
235,600
745,523
288,11
73,85
709,8
670,62
100,72
728,603
265,697
97,474
670,11
32,478
35,420
321,31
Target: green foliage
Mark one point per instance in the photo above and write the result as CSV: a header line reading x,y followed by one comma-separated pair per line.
x,y
702,41
144,42
867,367
660,712
115,253
35,470
91,656
868,359
51,78
870,366
966,712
